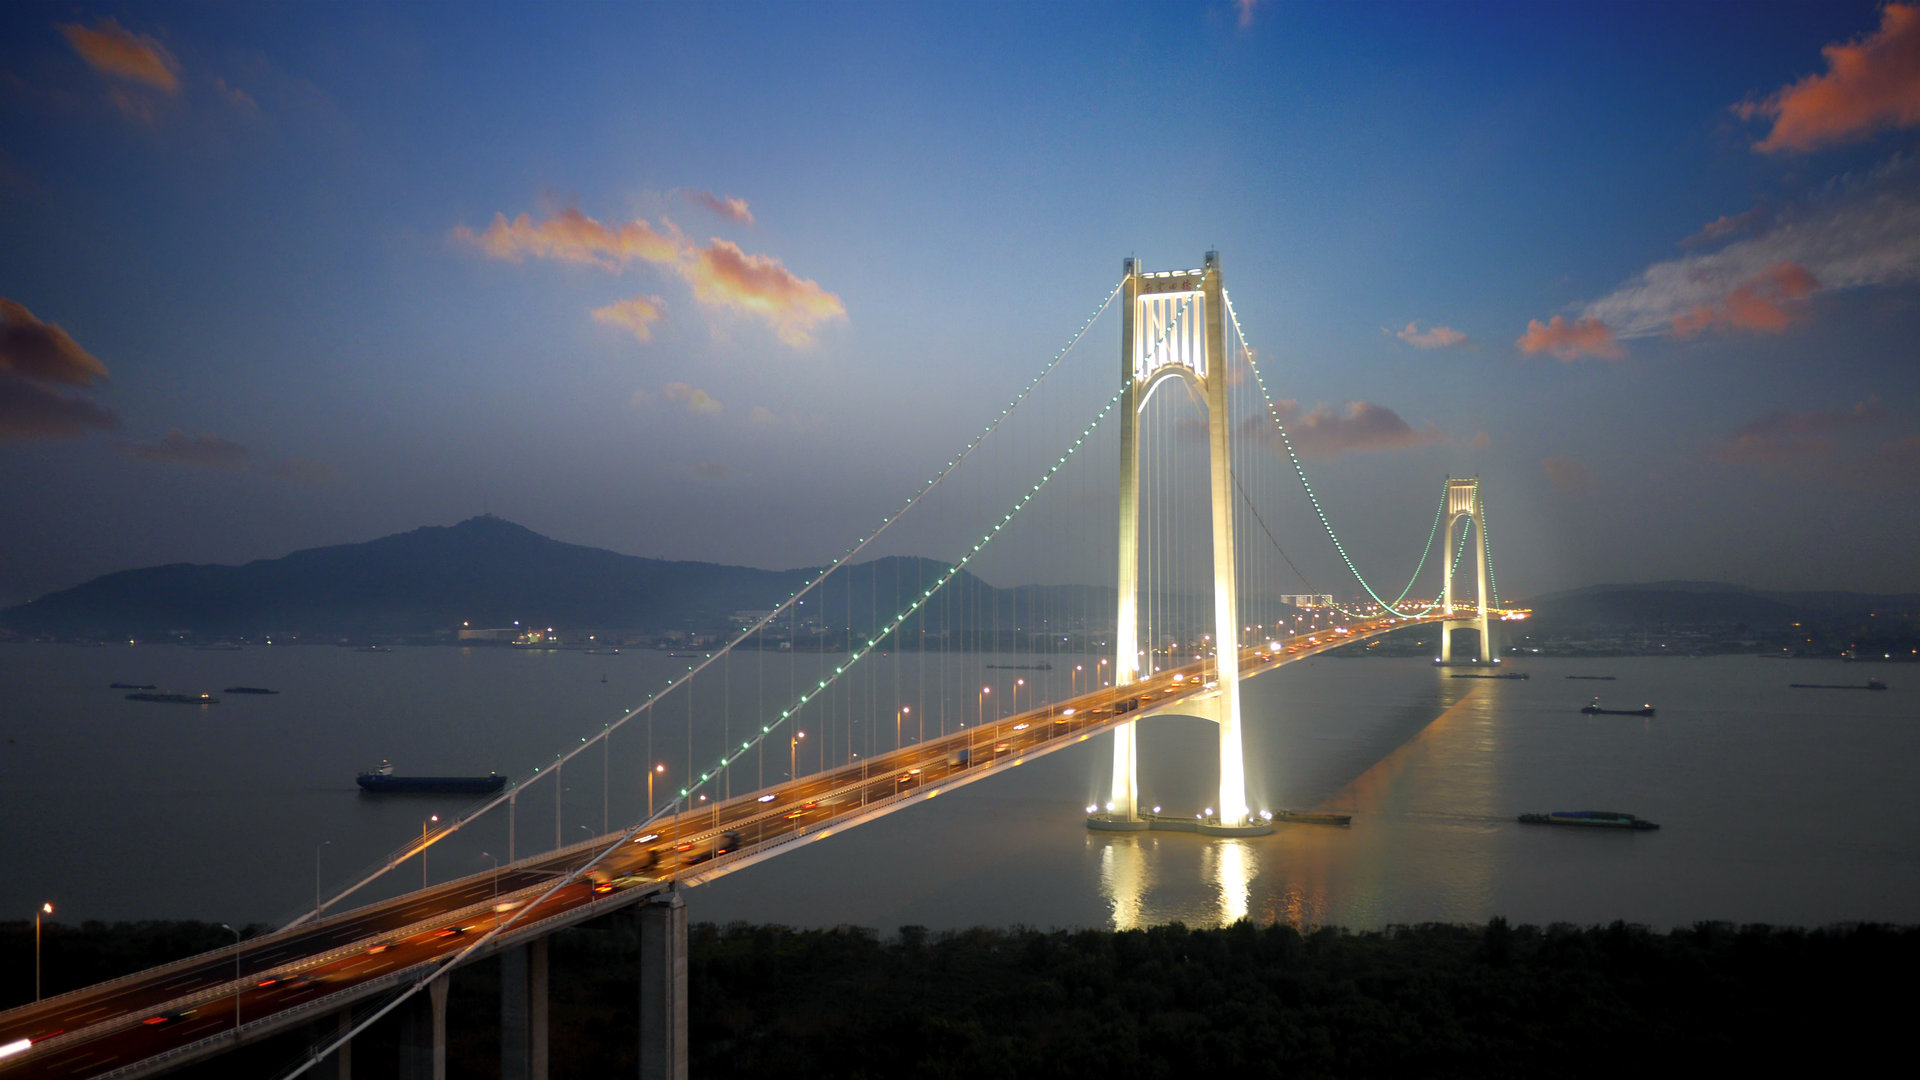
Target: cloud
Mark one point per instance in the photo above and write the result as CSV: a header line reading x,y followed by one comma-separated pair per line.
x,y
205,451
1570,340
237,99
1480,441
1438,337
637,315
573,237
1246,12
710,470
721,275
724,276
302,472
40,350
1765,304
1871,83
114,51
1567,476
729,207
1359,427
1724,226
1784,436
760,414
31,411
696,400
1861,231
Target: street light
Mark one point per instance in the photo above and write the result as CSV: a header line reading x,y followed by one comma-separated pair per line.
x,y
980,704
793,772
496,875
897,717
316,873
657,770
423,848
236,980
45,909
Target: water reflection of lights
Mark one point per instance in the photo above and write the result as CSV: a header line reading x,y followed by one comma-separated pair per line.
x,y
1125,878
1231,865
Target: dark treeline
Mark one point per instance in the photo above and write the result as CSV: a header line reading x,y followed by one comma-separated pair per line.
x,y
1244,1000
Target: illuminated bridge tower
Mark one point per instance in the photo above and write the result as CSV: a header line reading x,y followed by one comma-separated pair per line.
x,y
1173,326
1463,501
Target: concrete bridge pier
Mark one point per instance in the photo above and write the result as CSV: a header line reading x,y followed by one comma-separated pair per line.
x,y
343,1057
523,1012
423,1034
663,987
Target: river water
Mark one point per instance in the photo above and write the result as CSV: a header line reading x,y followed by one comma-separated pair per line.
x,y
1777,805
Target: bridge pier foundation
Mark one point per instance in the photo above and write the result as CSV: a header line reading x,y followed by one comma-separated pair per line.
x,y
423,1034
523,1012
343,1057
663,988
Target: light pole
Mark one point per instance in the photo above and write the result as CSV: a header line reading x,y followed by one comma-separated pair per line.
x,y
980,705
656,771
423,848
793,744
897,717
236,980
45,909
496,875
316,873
1077,668
1017,684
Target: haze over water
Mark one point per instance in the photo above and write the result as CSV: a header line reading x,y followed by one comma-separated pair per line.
x,y
1777,805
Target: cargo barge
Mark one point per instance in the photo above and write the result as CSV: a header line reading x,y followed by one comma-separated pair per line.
x,y
382,781
1589,819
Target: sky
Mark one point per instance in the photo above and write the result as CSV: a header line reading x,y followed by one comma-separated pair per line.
x,y
729,281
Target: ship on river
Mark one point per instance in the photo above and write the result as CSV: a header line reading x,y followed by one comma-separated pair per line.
x,y
382,781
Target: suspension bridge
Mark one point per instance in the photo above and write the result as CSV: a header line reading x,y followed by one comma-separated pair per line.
x,y
867,691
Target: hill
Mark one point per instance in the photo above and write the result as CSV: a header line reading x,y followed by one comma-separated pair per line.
x,y
485,571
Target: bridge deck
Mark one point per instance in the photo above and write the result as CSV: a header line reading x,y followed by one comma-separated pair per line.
x,y
165,1016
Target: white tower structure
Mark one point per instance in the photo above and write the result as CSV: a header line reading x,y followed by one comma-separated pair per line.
x,y
1463,501
1173,326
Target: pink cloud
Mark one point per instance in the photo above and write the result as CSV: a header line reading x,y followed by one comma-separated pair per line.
x,y
1724,226
1765,303
1783,436
728,206
1566,475
1359,427
31,411
695,400
1246,12
112,50
1570,340
637,315
573,237
1437,337
724,276
1871,83
1480,441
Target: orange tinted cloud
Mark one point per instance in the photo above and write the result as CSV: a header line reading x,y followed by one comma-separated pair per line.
x,y
1871,83
571,236
111,49
695,399
1437,337
1570,340
41,350
724,276
1761,304
637,315
1567,476
726,206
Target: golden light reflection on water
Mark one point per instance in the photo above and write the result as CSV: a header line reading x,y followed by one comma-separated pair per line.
x,y
1125,879
1231,865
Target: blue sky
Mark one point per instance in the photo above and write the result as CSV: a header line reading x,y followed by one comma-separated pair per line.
x,y
270,226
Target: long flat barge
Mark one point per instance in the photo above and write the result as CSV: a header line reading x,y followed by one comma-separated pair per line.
x,y
175,699
1589,819
1872,684
382,781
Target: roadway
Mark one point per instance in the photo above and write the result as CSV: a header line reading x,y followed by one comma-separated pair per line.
x,y
164,1016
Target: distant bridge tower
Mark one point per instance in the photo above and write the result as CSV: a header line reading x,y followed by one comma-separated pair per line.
x,y
1173,326
1463,501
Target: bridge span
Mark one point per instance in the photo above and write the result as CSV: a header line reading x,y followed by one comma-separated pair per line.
x,y
165,1017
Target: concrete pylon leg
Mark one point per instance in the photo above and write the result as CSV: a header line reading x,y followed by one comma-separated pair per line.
x,y
523,1012
343,1057
423,1034
663,988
